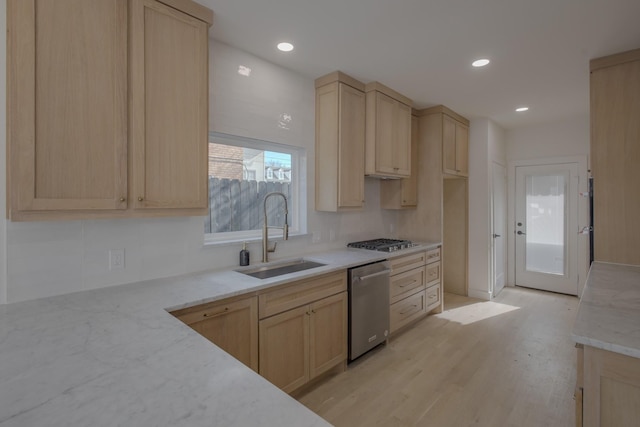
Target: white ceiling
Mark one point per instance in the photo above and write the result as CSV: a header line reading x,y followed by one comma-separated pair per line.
x,y
539,49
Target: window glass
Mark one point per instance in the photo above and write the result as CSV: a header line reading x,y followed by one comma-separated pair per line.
x,y
242,172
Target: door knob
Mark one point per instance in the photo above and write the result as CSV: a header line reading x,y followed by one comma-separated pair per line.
x,y
520,233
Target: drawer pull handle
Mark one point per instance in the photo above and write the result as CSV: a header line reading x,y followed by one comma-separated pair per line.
x,y
407,284
216,314
432,296
405,311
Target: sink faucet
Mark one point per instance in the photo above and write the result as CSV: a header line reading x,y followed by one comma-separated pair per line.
x,y
265,228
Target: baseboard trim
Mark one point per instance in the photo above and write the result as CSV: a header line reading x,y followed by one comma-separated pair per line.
x,y
483,295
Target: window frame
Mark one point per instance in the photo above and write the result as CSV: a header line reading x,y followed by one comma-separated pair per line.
x,y
297,209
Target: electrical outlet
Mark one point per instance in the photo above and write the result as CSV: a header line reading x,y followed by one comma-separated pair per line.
x,y
116,259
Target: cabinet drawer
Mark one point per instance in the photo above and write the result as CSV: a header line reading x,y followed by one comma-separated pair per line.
x,y
407,310
433,297
210,310
404,284
433,272
433,255
407,262
301,292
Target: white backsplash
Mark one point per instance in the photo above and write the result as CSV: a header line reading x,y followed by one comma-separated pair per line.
x,y
51,258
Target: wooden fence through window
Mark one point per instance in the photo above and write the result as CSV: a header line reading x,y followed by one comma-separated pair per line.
x,y
237,205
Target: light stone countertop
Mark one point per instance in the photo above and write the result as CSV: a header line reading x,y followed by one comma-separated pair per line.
x,y
116,357
609,312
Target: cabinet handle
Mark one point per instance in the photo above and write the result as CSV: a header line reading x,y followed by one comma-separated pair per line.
x,y
140,199
432,296
122,199
216,314
313,311
409,309
407,284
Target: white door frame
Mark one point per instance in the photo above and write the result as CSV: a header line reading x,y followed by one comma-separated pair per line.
x,y
583,213
503,233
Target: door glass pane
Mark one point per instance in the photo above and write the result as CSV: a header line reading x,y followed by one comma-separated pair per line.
x,y
546,236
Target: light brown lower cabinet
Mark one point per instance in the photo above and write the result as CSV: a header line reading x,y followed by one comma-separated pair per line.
x,y
230,324
408,310
610,395
415,287
299,344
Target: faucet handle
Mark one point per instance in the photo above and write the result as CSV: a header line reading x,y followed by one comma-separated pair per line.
x,y
273,249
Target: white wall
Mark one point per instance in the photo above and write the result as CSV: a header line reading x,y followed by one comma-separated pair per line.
x,y
50,258
568,137
486,146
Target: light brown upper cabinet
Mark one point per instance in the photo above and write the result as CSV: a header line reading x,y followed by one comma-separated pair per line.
x,y
403,193
455,143
107,108
340,133
388,137
615,150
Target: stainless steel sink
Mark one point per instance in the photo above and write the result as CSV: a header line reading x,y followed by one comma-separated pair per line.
x,y
278,269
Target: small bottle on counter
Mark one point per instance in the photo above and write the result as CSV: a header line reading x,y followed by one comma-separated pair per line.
x,y
244,255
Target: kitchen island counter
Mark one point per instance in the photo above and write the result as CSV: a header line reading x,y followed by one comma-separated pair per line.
x,y
115,356
609,311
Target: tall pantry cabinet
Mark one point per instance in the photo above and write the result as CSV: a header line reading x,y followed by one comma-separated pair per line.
x,y
107,108
615,151
450,131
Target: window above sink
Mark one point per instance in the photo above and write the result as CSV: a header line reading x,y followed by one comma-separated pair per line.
x,y
241,172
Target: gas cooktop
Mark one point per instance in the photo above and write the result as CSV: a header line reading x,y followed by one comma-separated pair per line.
x,y
383,245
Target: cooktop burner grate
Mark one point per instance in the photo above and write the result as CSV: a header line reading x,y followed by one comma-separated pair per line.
x,y
383,245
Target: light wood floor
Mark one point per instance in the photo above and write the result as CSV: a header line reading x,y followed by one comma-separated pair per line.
x,y
508,362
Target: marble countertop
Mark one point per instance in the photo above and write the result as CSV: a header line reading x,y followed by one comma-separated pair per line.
x,y
116,357
609,311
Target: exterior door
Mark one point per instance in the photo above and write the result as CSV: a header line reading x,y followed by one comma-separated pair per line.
x,y
546,216
499,223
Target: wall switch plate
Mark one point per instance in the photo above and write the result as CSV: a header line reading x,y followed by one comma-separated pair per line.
x,y
116,259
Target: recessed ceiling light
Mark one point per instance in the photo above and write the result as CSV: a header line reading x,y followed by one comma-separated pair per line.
x,y
480,62
285,46
522,109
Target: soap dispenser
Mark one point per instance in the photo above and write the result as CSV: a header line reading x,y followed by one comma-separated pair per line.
x,y
244,255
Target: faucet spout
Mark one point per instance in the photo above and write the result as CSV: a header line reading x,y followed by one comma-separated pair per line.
x,y
265,228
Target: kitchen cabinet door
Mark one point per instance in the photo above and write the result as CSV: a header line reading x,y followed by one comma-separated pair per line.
x,y
385,122
462,149
169,107
388,133
67,103
340,133
231,325
611,395
403,193
284,348
328,334
455,147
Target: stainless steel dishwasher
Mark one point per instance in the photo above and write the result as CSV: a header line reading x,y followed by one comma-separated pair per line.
x,y
368,307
